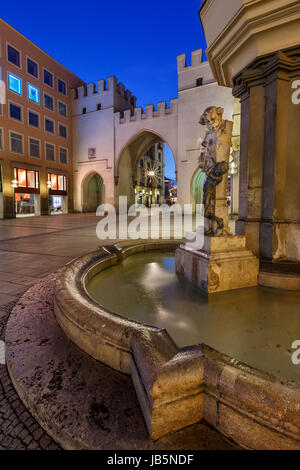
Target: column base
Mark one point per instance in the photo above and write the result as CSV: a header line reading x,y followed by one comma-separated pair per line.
x,y
280,275
223,264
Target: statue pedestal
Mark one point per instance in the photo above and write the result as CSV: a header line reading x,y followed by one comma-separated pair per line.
x,y
224,263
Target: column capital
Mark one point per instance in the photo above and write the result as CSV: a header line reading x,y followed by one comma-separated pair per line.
x,y
280,65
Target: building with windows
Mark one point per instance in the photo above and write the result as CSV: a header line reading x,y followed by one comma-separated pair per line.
x,y
149,187
170,191
35,129
67,145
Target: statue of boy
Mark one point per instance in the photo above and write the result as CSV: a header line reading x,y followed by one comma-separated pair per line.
x,y
216,139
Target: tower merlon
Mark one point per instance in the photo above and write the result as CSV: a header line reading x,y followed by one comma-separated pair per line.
x,y
91,89
161,107
150,110
181,62
101,85
149,113
81,91
197,57
128,95
121,89
112,83
196,60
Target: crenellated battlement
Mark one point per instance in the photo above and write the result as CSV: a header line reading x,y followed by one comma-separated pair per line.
x,y
195,75
150,112
102,86
196,60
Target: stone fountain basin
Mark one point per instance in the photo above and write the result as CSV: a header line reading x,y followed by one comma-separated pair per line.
x,y
176,387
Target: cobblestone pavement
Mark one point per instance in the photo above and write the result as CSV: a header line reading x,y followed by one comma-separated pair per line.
x,y
18,429
30,249
31,242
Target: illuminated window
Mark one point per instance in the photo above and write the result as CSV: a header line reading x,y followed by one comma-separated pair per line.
x,y
61,85
54,182
22,180
30,179
58,182
63,156
27,178
61,183
32,67
14,83
33,93
13,55
48,102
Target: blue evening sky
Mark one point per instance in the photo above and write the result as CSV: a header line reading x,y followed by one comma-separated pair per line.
x,y
135,40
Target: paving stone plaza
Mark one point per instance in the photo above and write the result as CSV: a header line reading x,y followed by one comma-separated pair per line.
x,y
31,250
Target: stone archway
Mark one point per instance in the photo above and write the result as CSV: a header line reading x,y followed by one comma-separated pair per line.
x,y
127,163
93,192
197,188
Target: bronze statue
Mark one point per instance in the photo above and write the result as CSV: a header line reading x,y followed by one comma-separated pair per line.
x,y
213,169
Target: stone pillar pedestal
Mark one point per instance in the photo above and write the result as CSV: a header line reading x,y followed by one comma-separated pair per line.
x,y
223,264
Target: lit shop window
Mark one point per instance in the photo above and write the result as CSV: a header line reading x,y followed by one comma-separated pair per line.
x,y
15,83
26,178
58,182
33,93
53,182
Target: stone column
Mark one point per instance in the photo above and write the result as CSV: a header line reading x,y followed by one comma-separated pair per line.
x,y
252,147
8,191
277,102
44,192
270,141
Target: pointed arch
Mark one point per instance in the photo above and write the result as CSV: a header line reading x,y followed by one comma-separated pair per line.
x,y
92,191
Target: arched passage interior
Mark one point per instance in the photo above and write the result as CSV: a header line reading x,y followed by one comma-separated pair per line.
x,y
127,170
93,192
197,187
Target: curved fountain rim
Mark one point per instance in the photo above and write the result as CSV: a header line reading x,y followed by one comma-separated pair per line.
x,y
88,265
87,296
176,387
75,308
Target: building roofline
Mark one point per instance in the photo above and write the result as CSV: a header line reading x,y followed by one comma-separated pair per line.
x,y
202,5
46,53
